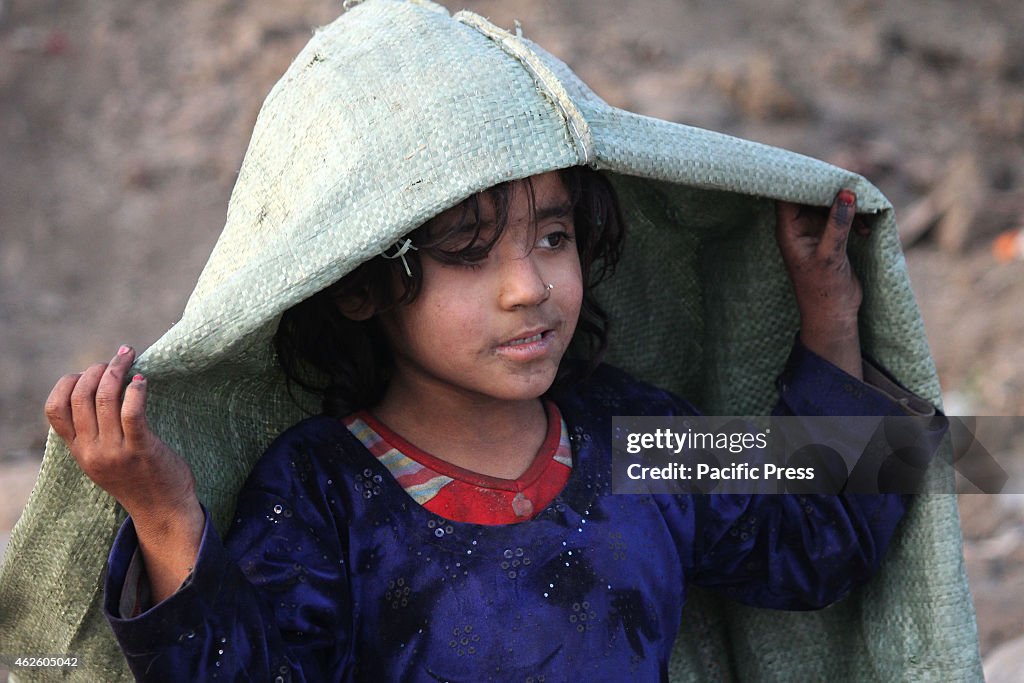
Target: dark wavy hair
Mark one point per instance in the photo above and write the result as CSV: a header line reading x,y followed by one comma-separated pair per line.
x,y
348,363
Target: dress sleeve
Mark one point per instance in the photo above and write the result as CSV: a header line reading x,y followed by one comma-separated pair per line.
x,y
805,551
271,603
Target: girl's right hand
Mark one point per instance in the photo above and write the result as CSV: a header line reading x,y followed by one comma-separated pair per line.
x,y
111,440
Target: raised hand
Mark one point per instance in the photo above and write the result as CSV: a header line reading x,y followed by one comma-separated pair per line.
x,y
110,439
828,293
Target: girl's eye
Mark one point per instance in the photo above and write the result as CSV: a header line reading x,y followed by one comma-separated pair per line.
x,y
555,240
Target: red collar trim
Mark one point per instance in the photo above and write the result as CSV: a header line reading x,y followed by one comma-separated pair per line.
x,y
540,462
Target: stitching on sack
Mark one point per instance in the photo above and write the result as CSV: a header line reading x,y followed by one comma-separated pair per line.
x,y
548,83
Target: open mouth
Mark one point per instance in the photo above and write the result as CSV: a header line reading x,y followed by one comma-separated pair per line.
x,y
525,340
528,343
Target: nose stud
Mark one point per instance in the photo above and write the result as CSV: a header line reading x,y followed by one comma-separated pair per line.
x,y
547,291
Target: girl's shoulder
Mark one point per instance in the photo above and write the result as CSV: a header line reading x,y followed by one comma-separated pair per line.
x,y
313,433
314,447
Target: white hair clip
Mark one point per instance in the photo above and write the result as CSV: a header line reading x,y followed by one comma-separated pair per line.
x,y
406,245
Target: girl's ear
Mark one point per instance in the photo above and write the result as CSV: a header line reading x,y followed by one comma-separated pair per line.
x,y
356,306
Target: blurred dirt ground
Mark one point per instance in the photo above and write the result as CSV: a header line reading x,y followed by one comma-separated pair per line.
x,y
122,125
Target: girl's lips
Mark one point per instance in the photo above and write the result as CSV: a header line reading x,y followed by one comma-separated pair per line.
x,y
528,347
526,337
525,340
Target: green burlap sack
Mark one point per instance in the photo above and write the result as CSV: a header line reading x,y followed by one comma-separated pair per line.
x,y
397,111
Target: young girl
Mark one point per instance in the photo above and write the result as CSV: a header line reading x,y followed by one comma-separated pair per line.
x,y
360,549
449,516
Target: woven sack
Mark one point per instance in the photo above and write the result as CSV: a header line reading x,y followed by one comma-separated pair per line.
x,y
398,111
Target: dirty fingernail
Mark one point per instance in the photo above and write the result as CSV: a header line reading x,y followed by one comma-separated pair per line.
x,y
123,350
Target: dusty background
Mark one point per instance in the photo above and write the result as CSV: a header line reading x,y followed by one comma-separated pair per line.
x,y
122,124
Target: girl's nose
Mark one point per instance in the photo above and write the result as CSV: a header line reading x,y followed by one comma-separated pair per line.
x,y
522,284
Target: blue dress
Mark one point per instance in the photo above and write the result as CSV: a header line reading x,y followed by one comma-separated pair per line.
x,y
331,571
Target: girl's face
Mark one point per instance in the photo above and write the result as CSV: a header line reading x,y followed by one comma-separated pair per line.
x,y
496,328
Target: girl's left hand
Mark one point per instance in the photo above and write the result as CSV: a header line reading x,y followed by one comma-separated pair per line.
x,y
828,293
